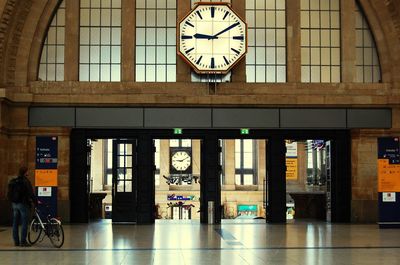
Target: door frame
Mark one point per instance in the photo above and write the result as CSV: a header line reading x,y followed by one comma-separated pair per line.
x,y
341,167
124,203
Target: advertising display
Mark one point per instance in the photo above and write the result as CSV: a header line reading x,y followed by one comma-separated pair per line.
x,y
389,181
291,161
46,173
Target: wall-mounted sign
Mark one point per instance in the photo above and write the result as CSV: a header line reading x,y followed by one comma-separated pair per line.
x,y
46,173
389,148
291,161
173,197
46,177
244,131
389,181
291,149
179,179
388,176
178,131
44,191
46,152
389,196
291,169
388,164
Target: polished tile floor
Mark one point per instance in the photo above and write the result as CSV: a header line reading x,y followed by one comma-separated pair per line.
x,y
171,242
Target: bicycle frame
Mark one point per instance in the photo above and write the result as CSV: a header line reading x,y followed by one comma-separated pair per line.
x,y
51,227
40,220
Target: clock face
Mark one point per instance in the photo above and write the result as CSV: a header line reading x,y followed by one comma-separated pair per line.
x,y
212,38
181,160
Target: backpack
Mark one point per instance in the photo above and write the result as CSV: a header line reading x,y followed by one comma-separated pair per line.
x,y
16,190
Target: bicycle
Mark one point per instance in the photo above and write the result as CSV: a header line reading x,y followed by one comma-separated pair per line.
x,y
52,228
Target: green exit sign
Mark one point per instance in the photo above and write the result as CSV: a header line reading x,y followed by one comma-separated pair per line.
x,y
177,131
244,131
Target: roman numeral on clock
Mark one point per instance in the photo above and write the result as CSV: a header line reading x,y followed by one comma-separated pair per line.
x,y
212,65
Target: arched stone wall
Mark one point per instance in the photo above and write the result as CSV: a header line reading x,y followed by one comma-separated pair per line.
x,y
24,24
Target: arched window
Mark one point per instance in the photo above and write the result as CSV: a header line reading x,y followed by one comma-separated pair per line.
x,y
100,42
51,66
367,60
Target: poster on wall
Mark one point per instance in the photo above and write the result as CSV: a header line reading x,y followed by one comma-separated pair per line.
x,y
389,181
291,161
291,169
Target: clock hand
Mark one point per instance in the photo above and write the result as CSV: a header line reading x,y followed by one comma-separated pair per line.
x,y
204,36
225,30
181,160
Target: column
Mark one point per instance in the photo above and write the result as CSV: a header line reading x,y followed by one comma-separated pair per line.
x,y
164,165
276,209
261,164
196,163
301,164
229,170
128,40
182,69
348,39
71,54
293,35
239,71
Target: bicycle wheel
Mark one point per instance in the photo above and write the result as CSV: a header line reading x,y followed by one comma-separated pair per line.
x,y
56,232
35,230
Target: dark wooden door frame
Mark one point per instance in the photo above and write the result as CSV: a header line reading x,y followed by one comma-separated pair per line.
x,y
341,165
124,203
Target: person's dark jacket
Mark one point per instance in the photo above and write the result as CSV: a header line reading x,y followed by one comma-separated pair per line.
x,y
29,197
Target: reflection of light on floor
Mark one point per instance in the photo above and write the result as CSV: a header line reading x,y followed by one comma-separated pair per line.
x,y
165,242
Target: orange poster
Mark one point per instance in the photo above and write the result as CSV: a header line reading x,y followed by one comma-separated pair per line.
x,y
291,168
46,177
388,176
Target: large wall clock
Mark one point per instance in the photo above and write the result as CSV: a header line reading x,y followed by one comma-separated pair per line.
x,y
212,38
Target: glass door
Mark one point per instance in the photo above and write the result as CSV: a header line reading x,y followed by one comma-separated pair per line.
x,y
124,181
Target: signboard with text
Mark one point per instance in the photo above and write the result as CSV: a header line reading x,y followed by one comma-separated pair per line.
x,y
389,181
46,173
291,161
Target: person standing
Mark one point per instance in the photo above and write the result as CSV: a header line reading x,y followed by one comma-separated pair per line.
x,y
21,195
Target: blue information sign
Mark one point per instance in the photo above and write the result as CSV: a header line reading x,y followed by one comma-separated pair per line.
x,y
47,158
389,148
46,152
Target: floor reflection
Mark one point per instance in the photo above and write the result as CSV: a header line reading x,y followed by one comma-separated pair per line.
x,y
189,242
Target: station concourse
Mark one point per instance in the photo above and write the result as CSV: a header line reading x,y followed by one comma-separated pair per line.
x,y
211,132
